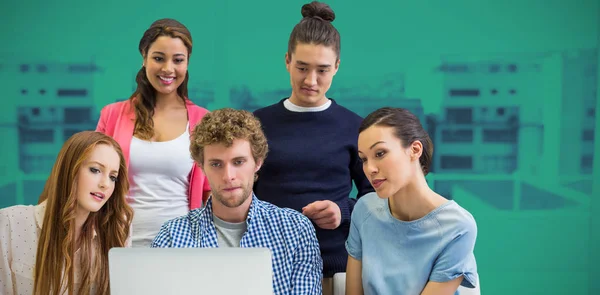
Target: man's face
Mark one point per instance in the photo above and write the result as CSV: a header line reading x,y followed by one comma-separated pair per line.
x,y
230,172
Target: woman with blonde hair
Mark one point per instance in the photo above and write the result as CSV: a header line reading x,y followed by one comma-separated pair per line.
x,y
60,246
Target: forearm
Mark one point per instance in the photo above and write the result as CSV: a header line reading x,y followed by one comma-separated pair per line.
x,y
354,277
445,288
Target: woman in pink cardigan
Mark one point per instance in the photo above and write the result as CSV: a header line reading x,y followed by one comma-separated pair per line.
x,y
153,128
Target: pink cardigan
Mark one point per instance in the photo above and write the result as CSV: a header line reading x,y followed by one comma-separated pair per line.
x,y
118,120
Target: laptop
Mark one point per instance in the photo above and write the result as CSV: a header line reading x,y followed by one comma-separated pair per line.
x,y
163,271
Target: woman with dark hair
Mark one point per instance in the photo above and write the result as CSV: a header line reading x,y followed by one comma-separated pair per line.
x,y
411,239
60,246
153,127
313,160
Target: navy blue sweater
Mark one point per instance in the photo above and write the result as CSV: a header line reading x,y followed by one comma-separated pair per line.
x,y
313,157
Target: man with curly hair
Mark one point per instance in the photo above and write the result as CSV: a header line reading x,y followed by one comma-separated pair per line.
x,y
230,147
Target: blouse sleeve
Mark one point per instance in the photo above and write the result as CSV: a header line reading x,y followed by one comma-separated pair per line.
x,y
6,279
354,241
457,258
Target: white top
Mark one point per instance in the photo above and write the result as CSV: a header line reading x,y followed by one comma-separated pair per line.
x,y
290,106
159,183
20,227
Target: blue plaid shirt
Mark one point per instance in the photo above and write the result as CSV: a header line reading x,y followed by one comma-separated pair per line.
x,y
297,263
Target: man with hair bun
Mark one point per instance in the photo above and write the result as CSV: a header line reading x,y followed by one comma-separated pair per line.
x,y
313,159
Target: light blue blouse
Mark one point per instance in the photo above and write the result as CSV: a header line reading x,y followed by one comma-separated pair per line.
x,y
400,257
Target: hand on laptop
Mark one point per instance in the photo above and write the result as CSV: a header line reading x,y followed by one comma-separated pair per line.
x,y
326,214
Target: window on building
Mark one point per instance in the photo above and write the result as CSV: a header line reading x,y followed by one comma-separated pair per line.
x,y
509,163
494,68
591,70
494,91
459,115
42,68
512,68
587,163
28,135
35,164
68,132
71,92
456,162
35,112
77,115
500,135
23,91
499,163
464,92
454,136
24,68
587,135
513,121
591,112
500,111
455,68
512,91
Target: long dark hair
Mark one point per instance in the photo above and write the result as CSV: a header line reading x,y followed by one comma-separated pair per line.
x,y
144,97
407,128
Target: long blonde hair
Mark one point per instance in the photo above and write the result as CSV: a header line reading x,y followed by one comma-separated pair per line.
x,y
54,269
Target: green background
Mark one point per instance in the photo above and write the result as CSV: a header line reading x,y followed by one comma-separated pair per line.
x,y
507,89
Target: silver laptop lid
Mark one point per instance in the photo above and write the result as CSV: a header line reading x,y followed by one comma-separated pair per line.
x,y
164,271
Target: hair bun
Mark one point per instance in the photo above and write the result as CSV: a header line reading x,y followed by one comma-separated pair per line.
x,y
319,10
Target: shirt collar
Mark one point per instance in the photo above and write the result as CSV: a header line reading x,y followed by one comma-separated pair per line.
x,y
39,214
206,215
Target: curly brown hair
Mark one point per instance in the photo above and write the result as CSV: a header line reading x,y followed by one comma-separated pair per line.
x,y
224,126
